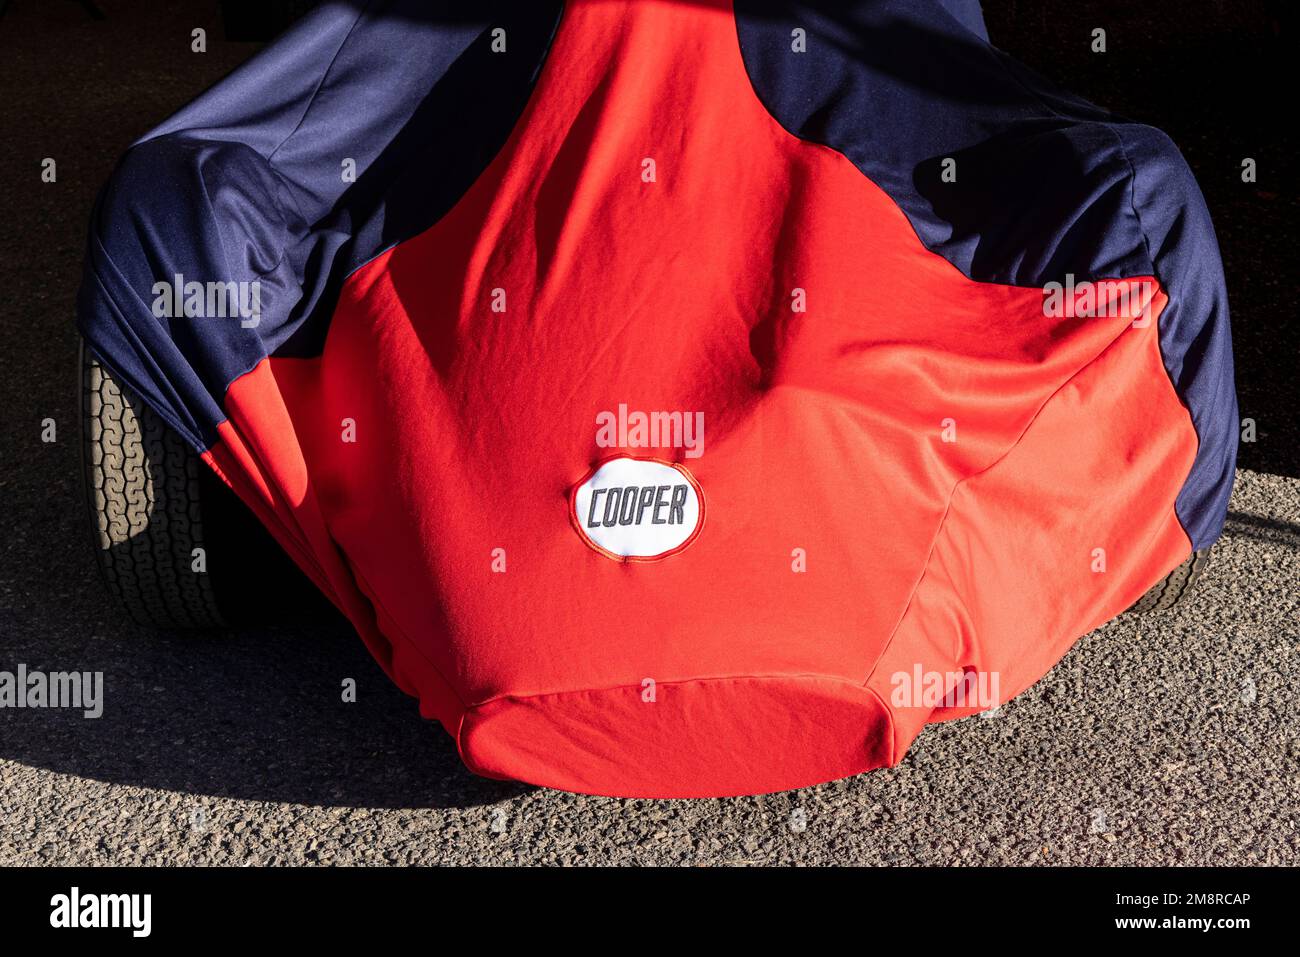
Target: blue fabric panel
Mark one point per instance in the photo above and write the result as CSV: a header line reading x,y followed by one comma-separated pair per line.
x,y
1047,184
247,183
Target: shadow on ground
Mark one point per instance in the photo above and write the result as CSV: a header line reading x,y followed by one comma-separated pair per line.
x,y
251,714
258,715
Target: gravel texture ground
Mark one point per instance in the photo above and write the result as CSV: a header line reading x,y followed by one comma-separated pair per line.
x,y
1167,739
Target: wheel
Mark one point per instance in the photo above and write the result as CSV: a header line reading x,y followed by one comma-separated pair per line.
x,y
176,546
146,519
1171,589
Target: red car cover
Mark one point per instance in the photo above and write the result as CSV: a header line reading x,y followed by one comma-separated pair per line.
x,y
683,398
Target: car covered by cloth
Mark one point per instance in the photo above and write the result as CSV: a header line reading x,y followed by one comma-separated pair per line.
x,y
680,397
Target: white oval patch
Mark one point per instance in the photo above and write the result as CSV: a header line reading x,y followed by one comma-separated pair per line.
x,y
637,509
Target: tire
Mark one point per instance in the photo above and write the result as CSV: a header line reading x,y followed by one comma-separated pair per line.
x,y
154,503
1175,586
146,518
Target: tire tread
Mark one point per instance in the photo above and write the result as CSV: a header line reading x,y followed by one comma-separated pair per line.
x,y
142,488
1175,586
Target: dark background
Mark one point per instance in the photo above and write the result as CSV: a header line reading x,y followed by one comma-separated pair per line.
x,y
1217,75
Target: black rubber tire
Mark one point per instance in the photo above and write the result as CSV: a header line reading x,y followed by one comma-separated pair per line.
x,y
153,503
146,520
1175,586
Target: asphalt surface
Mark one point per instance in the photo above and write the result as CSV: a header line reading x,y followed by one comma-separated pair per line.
x,y
1167,739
